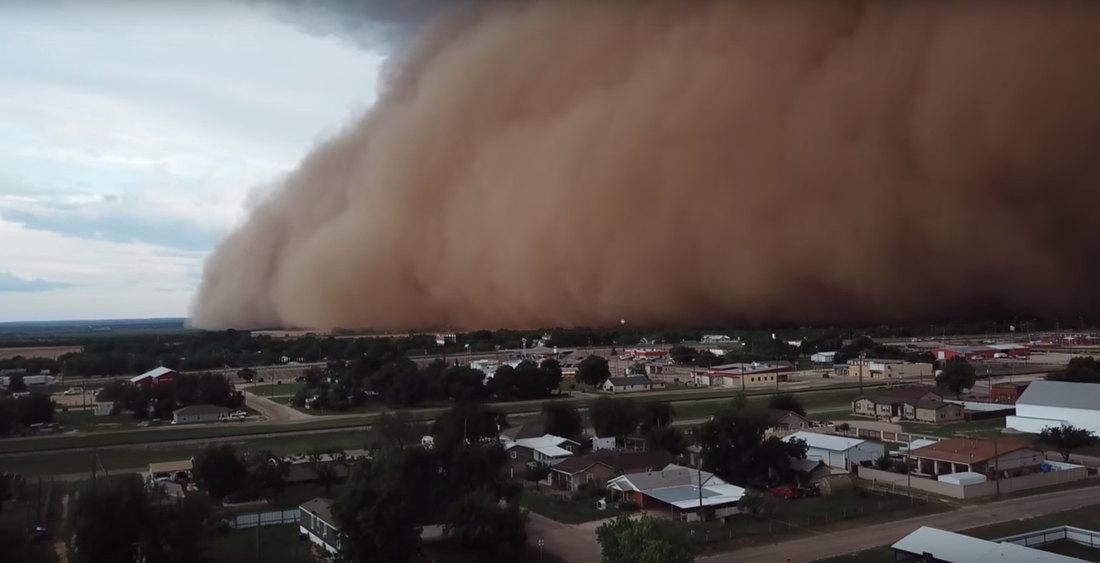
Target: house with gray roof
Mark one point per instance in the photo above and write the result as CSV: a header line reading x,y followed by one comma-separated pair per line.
x,y
629,384
199,413
1057,403
316,521
683,491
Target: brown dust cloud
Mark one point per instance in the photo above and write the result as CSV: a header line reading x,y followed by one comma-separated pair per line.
x,y
535,164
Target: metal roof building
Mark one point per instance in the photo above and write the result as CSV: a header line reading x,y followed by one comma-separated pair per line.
x,y
1057,403
957,548
837,451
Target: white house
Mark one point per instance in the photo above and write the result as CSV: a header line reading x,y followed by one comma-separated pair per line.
x,y
1057,403
823,357
547,449
932,544
676,489
837,451
199,413
629,384
317,522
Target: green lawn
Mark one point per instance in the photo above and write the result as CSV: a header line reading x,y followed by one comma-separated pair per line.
x,y
565,510
787,518
87,421
1087,517
276,389
277,544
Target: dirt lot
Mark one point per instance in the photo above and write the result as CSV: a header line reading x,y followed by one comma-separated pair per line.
x,y
52,352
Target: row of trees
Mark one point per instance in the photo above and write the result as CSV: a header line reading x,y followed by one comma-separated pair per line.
x,y
401,382
160,400
1084,369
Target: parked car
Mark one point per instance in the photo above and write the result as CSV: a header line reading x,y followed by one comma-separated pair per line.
x,y
72,391
789,492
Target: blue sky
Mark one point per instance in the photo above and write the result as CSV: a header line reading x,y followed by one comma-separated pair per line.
x,y
134,135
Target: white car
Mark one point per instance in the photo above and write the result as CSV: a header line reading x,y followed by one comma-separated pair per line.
x,y
72,391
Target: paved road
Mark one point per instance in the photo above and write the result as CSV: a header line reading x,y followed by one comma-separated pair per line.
x,y
275,412
570,542
834,543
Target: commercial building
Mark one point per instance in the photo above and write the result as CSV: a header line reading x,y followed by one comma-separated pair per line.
x,y
155,376
934,545
645,353
199,413
982,352
744,374
677,489
1007,393
823,357
838,451
316,521
1057,403
629,383
995,458
869,368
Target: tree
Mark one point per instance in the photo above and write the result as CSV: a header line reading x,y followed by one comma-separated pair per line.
x,y
655,414
614,417
479,523
562,419
246,374
593,370
16,384
390,430
535,473
645,540
1081,370
219,471
1065,439
667,438
957,374
266,474
682,355
755,502
377,523
467,424
734,447
786,402
113,518
551,369
326,465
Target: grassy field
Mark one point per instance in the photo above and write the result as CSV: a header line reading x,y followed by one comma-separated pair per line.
x,y
565,510
787,518
987,428
277,544
276,389
1087,517
87,421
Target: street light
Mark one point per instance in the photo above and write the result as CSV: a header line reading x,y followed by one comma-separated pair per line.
x,y
542,542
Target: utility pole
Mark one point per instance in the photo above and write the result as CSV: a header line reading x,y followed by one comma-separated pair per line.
x,y
862,365
257,537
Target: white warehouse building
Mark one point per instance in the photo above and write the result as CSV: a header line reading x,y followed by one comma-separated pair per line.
x,y
1057,403
838,451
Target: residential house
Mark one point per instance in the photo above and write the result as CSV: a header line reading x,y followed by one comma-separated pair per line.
x,y
838,451
155,376
1057,403
918,403
629,383
546,449
995,458
677,489
823,357
318,523
199,413
177,471
784,422
744,374
599,466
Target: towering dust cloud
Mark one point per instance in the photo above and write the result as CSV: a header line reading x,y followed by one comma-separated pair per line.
x,y
566,163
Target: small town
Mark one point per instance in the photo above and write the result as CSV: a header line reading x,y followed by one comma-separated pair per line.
x,y
553,281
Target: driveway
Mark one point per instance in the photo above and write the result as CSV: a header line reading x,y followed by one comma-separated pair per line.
x,y
275,412
570,542
841,542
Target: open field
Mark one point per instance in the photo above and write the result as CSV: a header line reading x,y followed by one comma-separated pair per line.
x,y
51,352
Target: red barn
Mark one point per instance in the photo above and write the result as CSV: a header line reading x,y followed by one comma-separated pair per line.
x,y
155,376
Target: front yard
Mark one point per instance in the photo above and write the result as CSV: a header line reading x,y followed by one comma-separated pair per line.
x,y
565,509
277,544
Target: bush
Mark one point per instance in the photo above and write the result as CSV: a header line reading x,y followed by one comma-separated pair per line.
x,y
628,506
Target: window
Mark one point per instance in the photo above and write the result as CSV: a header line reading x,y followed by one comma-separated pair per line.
x,y
513,454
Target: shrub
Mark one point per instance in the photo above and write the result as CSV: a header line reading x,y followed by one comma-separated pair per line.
x,y
628,506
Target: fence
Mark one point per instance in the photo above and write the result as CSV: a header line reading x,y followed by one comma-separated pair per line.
x,y
1043,537
272,518
887,436
899,481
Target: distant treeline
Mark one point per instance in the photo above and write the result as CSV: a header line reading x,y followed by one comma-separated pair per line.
x,y
200,350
